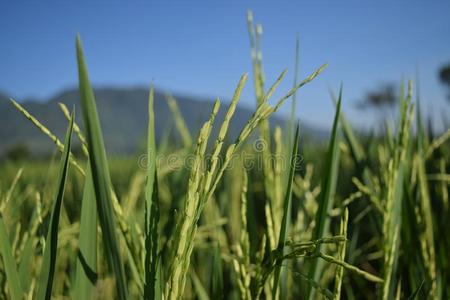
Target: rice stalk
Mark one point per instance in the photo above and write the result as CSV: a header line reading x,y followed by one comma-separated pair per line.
x,y
47,132
322,221
151,288
47,273
86,269
287,209
341,256
10,267
179,121
100,175
395,173
76,128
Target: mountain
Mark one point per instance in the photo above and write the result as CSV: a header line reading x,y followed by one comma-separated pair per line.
x,y
123,116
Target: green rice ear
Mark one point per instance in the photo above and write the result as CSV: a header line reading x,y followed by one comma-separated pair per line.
x,y
151,222
287,209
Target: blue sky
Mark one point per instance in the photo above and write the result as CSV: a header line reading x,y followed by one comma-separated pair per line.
x,y
202,48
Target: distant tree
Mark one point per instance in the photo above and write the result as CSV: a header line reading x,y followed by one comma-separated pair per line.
x,y
381,101
444,76
18,152
382,98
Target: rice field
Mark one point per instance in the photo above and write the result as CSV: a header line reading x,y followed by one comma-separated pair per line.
x,y
361,217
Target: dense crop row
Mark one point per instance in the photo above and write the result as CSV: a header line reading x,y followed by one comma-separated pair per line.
x,y
363,217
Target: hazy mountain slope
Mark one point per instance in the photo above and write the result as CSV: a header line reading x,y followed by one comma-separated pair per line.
x,y
123,115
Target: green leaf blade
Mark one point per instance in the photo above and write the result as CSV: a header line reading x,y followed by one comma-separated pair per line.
x,y
100,176
327,195
87,254
45,283
9,264
217,274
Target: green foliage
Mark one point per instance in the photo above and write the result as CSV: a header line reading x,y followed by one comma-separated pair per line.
x,y
152,290
10,266
231,220
100,176
86,274
287,208
47,273
330,176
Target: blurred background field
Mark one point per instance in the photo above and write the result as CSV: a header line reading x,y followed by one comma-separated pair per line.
x,y
328,181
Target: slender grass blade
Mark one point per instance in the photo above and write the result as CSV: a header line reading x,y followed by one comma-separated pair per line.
x,y
217,275
45,283
87,253
327,194
12,276
100,176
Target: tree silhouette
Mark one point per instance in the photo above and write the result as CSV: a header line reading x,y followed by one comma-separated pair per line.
x,y
381,101
444,76
382,98
18,152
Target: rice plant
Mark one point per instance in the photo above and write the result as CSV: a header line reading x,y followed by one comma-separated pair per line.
x,y
359,217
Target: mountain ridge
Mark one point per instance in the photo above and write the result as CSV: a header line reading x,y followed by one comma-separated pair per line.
x,y
123,116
